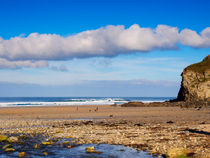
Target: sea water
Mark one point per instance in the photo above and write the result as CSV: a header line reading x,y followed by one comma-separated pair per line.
x,y
69,101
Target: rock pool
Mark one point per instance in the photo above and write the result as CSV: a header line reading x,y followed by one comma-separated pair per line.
x,y
34,147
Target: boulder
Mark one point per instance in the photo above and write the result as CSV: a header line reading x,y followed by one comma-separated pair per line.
x,y
12,139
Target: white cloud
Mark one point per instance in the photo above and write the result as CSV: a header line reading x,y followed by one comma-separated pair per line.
x,y
106,41
18,64
191,38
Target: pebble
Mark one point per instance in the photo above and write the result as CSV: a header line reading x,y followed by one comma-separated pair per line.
x,y
9,150
47,143
21,154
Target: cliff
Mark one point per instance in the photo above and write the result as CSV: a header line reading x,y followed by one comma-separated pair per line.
x,y
195,85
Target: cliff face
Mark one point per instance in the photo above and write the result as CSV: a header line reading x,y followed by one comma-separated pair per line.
x,y
195,84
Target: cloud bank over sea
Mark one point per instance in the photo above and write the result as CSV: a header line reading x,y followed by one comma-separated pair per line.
x,y
35,50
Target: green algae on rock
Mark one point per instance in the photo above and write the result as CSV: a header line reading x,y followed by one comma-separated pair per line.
x,y
92,150
177,152
47,143
9,150
21,154
3,138
7,146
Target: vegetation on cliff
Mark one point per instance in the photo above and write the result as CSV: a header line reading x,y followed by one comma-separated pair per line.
x,y
200,67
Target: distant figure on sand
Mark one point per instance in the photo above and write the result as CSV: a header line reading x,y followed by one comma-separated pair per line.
x,y
96,110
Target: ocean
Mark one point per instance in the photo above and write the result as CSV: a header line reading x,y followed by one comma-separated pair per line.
x,y
70,101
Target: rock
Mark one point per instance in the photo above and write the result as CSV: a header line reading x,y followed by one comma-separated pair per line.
x,y
66,142
92,150
169,122
36,146
133,104
12,139
88,122
138,124
7,146
45,153
69,147
21,154
3,138
97,152
152,104
69,137
195,85
177,152
9,150
24,137
46,143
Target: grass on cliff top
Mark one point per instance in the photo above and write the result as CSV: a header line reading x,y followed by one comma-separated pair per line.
x,y
200,67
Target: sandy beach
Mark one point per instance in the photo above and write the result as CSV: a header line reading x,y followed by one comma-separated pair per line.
x,y
143,114
157,130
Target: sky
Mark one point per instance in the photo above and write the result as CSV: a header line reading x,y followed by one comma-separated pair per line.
x,y
100,48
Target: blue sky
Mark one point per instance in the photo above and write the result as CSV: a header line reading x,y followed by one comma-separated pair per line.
x,y
68,48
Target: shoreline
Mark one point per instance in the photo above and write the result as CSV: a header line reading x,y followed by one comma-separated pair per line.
x,y
154,129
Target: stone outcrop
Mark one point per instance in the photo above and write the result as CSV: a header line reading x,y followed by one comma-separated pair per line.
x,y
195,85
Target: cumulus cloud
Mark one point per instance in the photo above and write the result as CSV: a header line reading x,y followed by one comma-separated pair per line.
x,y
106,41
191,38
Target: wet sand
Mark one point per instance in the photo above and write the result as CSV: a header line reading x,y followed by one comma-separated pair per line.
x,y
143,114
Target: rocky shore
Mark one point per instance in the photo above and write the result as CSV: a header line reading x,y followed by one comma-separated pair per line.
x,y
172,103
165,139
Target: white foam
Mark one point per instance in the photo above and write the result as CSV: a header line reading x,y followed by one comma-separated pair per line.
x,y
151,101
66,103
72,102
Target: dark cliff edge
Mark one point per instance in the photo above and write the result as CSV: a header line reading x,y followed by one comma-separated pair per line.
x,y
194,91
